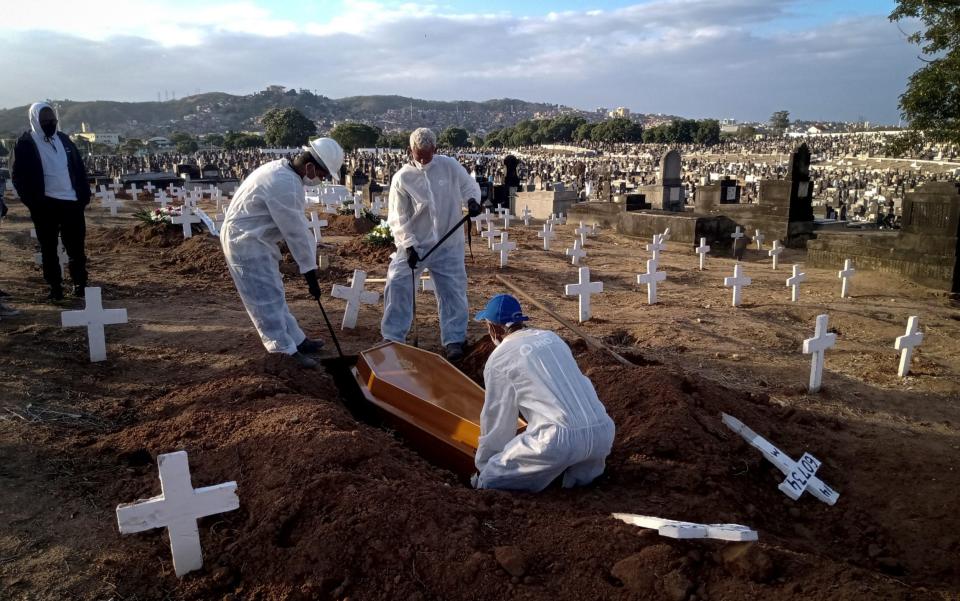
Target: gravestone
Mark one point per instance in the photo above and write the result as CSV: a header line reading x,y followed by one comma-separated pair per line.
x,y
177,509
737,282
650,279
94,317
781,460
584,289
667,194
678,529
775,253
906,343
504,247
846,274
576,253
355,295
817,347
794,282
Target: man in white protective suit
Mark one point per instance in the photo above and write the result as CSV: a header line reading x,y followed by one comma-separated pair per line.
x,y
426,201
269,206
534,373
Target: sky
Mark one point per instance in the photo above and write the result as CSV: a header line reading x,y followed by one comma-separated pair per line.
x,y
741,59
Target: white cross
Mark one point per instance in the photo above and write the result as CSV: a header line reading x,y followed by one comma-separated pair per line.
x,y
427,283
526,215
584,289
582,231
506,220
576,252
377,205
794,282
355,295
656,247
115,184
702,250
94,317
490,234
547,234
817,346
132,190
775,253
758,237
677,529
665,235
846,274
162,199
33,233
150,188
113,203
482,218
316,225
906,343
177,509
782,462
504,247
650,279
561,218
736,235
737,282
357,206
62,257
185,219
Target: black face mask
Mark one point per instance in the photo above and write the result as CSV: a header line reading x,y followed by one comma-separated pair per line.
x,y
49,128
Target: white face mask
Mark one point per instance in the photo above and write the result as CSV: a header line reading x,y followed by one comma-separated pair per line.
x,y
316,181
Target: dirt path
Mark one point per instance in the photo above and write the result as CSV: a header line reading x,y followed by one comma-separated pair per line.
x,y
332,509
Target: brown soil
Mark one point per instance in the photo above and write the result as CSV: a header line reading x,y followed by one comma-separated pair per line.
x,y
332,508
345,225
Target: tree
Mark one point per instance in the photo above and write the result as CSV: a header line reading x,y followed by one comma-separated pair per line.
x,y
453,137
215,140
931,102
746,132
287,127
619,129
132,146
237,141
780,121
494,139
708,132
351,135
396,139
583,132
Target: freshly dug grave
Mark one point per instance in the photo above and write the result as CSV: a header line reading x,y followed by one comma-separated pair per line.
x,y
346,225
331,508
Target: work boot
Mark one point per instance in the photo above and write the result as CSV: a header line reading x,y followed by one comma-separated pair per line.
x,y
454,351
8,311
304,361
310,346
56,293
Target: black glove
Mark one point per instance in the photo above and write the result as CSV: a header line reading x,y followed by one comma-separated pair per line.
x,y
412,257
473,208
312,284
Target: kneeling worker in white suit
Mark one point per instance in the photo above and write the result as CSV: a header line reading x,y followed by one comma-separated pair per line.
x,y
534,373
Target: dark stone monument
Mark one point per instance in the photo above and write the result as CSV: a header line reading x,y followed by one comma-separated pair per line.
x,y
926,250
710,196
511,179
667,193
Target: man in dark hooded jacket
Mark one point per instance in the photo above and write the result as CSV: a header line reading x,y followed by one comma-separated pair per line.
x,y
51,180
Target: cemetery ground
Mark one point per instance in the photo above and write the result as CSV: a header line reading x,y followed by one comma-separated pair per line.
x,y
332,509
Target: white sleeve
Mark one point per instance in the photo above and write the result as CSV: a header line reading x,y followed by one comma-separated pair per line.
x,y
469,188
287,211
400,211
498,419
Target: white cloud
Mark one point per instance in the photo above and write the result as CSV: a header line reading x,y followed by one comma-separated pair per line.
x,y
692,57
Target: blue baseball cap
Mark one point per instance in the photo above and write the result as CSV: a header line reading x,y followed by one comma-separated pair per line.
x,y
502,309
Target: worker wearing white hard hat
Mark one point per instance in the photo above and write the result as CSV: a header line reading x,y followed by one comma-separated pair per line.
x,y
269,206
532,372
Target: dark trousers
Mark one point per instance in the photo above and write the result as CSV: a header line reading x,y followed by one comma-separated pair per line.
x,y
61,219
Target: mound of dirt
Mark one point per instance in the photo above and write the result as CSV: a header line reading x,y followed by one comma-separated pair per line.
x,y
154,235
346,225
200,255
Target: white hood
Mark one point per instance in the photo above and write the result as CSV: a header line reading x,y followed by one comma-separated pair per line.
x,y
35,128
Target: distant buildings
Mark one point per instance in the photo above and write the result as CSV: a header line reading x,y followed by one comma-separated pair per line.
x,y
109,139
620,111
